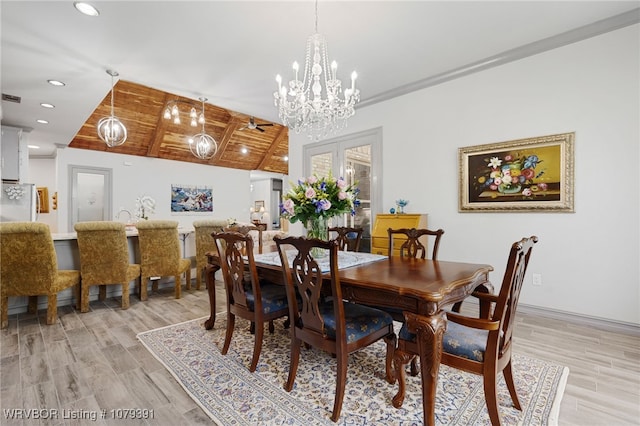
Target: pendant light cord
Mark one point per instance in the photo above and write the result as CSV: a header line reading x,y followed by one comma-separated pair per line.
x,y
112,95
203,117
316,16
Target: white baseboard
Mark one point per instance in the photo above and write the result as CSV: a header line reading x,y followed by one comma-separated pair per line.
x,y
585,320
577,319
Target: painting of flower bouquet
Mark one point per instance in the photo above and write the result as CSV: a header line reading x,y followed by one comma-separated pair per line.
x,y
534,174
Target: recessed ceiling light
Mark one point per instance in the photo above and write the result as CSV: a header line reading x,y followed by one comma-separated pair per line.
x,y
33,147
86,8
55,82
46,105
285,158
42,121
244,150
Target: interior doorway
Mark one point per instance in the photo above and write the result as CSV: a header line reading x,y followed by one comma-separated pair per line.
x,y
91,193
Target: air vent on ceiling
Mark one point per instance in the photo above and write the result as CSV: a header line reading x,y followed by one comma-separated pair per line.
x,y
11,98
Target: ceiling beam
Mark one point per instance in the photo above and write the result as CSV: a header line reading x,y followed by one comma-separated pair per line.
x,y
226,137
266,160
155,141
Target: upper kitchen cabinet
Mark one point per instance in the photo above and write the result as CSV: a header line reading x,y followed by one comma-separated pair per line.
x,y
13,150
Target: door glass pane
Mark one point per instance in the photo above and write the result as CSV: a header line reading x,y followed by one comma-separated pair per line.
x,y
321,164
358,171
90,197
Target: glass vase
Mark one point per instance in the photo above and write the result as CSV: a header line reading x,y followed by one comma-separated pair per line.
x,y
318,227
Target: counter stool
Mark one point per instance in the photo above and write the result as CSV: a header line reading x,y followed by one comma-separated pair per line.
x,y
30,268
160,254
104,260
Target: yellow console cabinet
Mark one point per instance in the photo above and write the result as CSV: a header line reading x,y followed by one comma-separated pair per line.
x,y
380,237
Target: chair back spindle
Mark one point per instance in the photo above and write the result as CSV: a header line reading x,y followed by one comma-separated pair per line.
x,y
348,238
412,246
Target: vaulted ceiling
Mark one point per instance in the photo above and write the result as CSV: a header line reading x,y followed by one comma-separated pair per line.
x,y
141,110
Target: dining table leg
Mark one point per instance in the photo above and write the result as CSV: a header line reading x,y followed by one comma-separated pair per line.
x,y
210,277
430,331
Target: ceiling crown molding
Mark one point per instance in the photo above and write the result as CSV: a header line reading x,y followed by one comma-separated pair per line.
x,y
603,26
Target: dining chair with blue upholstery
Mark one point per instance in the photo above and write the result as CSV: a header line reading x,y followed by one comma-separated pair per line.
x,y
348,238
327,323
411,244
482,346
247,297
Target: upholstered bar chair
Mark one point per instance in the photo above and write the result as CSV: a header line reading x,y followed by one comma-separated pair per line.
x,y
330,324
30,268
348,238
482,345
160,254
104,260
205,243
247,297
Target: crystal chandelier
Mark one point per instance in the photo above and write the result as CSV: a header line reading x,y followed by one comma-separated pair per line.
x,y
301,105
110,129
202,145
172,112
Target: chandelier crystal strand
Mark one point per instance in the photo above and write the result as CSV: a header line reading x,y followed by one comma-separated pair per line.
x,y
110,129
202,145
301,105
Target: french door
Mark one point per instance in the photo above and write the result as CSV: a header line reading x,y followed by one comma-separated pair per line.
x,y
357,158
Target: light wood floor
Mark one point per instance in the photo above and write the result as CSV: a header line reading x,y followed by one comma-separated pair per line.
x,y
89,362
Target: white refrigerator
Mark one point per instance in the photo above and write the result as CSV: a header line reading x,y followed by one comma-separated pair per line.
x,y
18,202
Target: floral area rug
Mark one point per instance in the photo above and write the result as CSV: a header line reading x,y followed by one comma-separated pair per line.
x,y
231,395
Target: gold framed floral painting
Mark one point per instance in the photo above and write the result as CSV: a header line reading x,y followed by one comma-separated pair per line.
x,y
526,175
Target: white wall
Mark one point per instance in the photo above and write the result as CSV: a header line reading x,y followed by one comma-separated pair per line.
x,y
589,260
135,176
153,177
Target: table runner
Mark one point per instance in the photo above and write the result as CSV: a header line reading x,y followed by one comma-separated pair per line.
x,y
346,259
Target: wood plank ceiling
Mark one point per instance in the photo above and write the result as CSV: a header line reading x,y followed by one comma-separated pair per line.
x,y
141,110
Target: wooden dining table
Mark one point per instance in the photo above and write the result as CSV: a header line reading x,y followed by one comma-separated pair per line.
x,y
420,286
